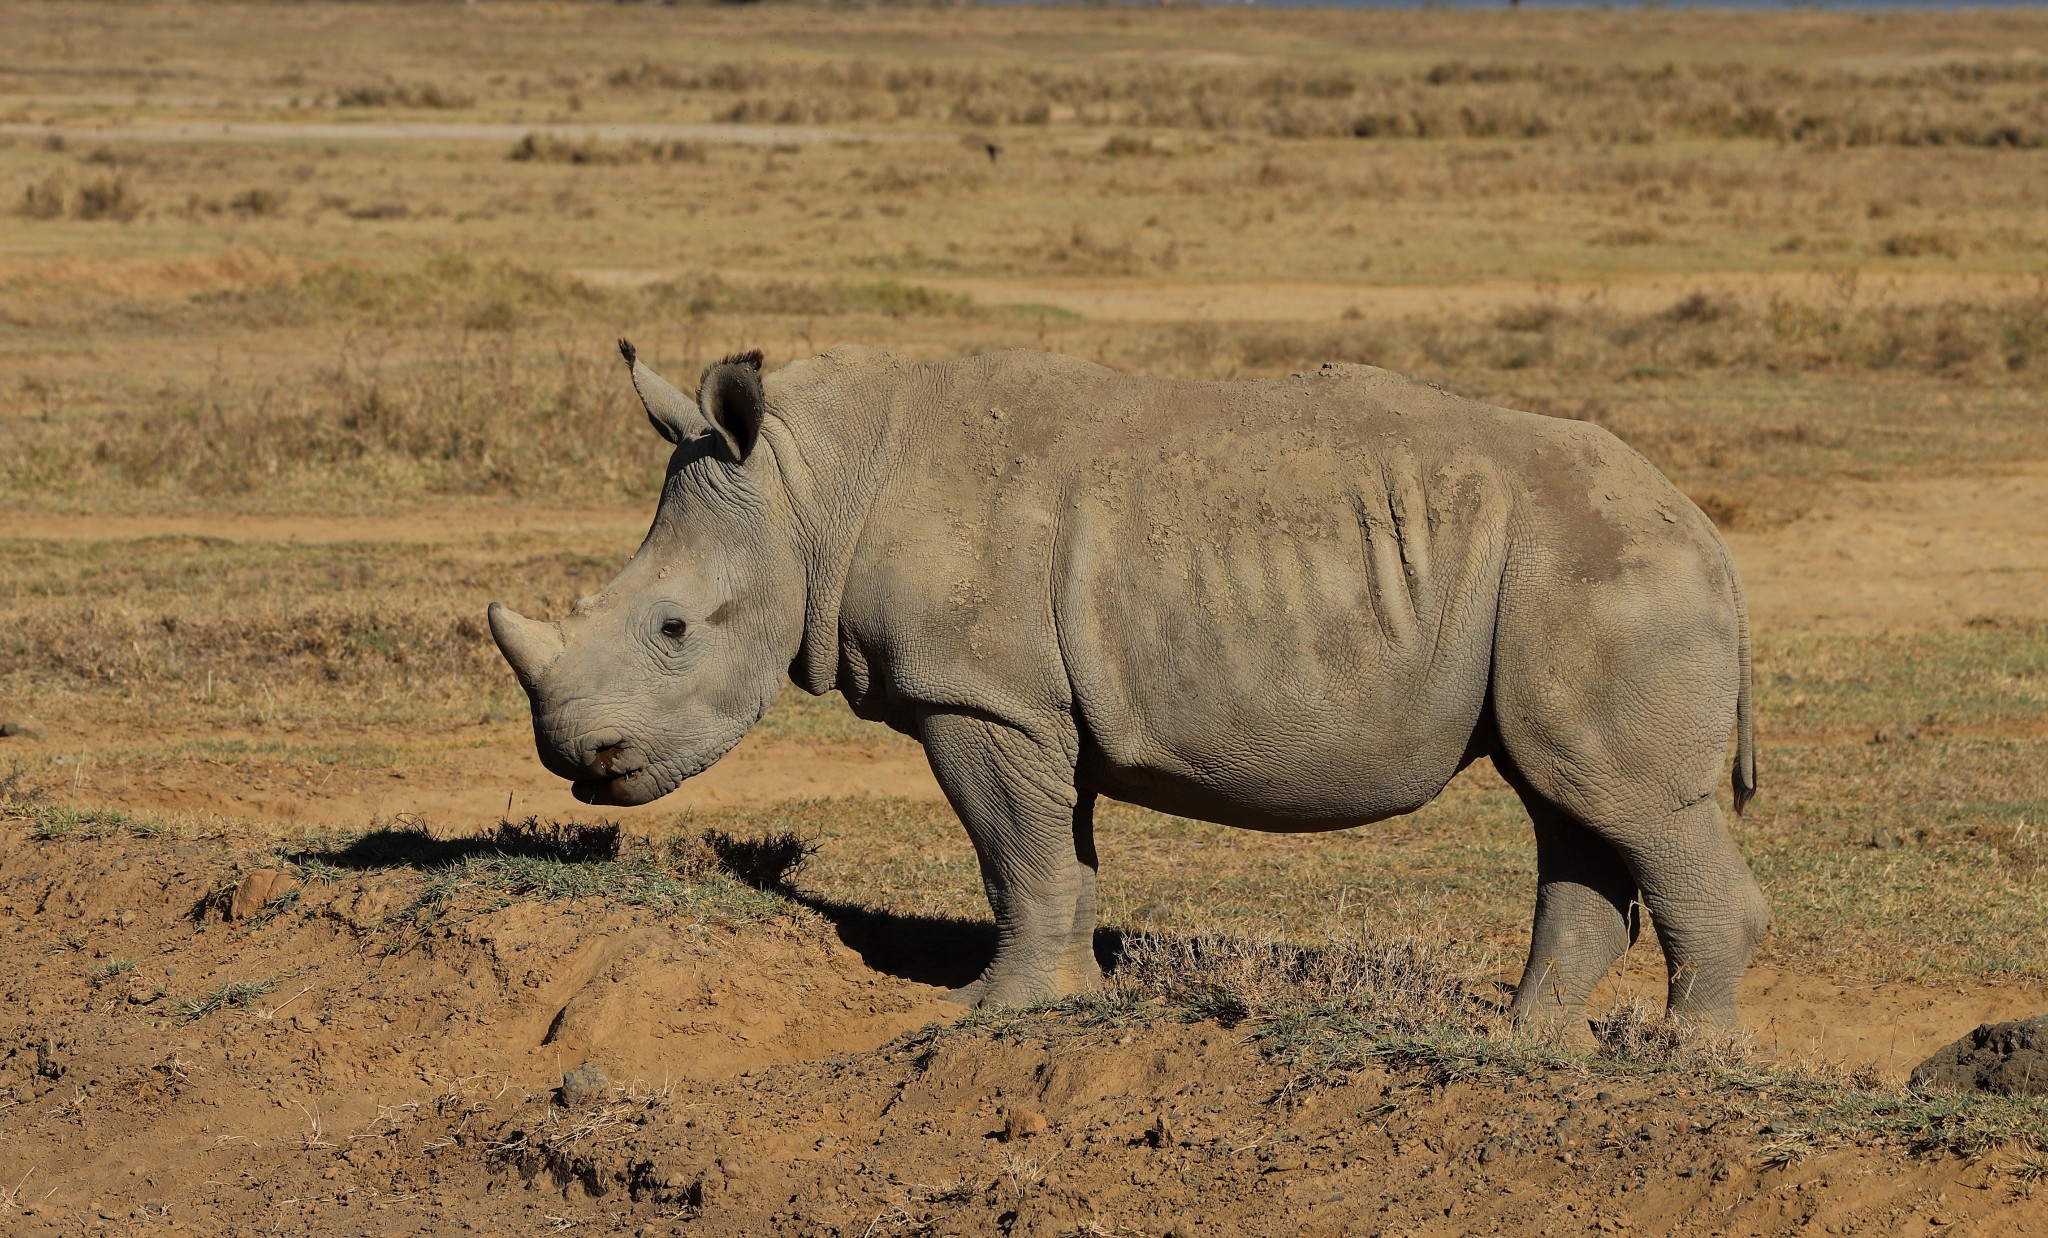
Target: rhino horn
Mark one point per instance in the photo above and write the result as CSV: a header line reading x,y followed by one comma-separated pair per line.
x,y
674,415
530,646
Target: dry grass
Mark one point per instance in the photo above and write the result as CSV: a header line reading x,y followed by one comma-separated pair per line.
x,y
1403,982
510,402
1988,102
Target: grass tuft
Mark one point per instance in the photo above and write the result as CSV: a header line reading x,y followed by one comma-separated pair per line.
x,y
238,993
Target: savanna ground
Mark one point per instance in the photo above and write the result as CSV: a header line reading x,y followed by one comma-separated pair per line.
x,y
306,318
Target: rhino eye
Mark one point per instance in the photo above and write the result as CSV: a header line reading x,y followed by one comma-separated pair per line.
x,y
673,628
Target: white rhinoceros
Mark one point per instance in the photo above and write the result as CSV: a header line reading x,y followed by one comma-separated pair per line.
x,y
1300,604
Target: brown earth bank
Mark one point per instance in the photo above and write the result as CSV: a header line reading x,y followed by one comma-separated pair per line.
x,y
199,1036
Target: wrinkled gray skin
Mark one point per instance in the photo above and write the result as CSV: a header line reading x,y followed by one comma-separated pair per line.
x,y
1293,605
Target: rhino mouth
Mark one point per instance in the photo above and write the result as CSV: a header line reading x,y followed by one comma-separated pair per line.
x,y
616,791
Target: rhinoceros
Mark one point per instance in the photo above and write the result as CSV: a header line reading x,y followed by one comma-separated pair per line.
x,y
1290,605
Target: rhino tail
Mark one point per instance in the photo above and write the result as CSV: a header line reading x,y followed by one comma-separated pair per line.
x,y
1744,775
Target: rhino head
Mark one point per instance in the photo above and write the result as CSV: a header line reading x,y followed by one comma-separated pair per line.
x,y
651,680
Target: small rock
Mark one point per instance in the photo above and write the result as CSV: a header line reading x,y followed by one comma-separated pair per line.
x,y
1022,1123
583,1084
258,890
1160,1134
2010,1059
22,727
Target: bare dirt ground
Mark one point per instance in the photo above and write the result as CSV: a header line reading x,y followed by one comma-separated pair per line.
x,y
770,1079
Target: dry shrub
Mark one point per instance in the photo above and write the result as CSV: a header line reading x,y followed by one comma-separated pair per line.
x,y
21,795
568,842
1985,103
106,197
44,199
767,863
542,148
1533,316
108,157
1397,982
1725,511
101,197
1921,244
1625,237
259,202
403,94
1635,1030
2021,847
1122,144
1702,308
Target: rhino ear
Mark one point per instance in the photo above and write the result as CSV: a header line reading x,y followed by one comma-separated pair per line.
x,y
669,411
734,402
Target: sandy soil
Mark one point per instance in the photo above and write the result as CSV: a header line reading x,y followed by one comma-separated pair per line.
x,y
1940,552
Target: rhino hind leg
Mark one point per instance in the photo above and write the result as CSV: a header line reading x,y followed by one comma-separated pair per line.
x,y
1585,896
1624,732
1702,898
1707,907
1034,833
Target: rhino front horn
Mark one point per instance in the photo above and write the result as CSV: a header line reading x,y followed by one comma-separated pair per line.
x,y
531,647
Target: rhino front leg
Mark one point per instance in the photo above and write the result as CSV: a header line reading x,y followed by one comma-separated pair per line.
x,y
1034,833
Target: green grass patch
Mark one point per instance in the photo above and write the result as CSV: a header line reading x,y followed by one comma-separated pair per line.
x,y
710,876
1928,679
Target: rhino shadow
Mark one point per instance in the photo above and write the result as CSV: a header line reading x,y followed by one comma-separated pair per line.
x,y
943,951
409,845
946,951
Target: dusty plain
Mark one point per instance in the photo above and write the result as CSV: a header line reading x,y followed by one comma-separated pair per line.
x,y
306,318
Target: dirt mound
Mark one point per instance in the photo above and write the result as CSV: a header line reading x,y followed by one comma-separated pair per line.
x,y
157,1025
371,1038
2009,1058
1176,1129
